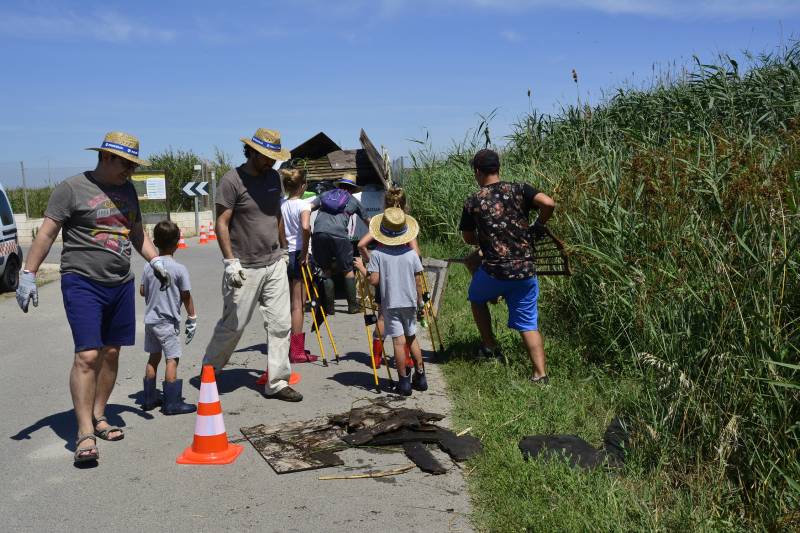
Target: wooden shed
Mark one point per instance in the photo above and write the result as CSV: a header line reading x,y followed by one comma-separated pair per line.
x,y
323,159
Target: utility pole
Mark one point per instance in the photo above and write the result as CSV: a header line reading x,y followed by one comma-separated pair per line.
x,y
24,189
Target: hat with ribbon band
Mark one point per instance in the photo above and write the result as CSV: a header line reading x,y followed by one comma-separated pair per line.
x,y
268,143
394,227
348,178
123,145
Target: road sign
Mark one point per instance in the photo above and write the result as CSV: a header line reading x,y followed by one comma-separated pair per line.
x,y
195,188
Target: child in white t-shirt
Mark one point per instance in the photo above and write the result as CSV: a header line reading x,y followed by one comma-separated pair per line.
x,y
296,214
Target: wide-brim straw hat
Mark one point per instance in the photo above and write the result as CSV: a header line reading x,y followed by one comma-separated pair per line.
x,y
349,179
123,145
394,227
268,143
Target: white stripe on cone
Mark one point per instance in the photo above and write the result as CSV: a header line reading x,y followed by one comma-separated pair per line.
x,y
208,393
209,426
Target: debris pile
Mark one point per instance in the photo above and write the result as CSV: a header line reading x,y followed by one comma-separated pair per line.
x,y
297,446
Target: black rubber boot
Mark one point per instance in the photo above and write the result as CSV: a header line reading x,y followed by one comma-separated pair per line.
x,y
352,301
173,401
152,398
329,296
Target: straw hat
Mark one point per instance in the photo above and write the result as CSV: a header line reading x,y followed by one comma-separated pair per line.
x,y
268,143
394,227
348,178
122,145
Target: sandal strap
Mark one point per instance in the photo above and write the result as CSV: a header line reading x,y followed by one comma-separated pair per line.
x,y
99,419
82,438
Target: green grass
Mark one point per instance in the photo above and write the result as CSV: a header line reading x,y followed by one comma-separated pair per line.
x,y
497,402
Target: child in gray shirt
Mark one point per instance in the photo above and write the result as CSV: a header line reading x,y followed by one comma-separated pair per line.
x,y
162,319
396,268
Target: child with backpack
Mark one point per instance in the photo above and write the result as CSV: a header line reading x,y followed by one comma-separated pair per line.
x,y
396,269
331,241
162,320
296,215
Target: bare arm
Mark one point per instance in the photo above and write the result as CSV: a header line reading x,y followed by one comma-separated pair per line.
x,y
42,244
374,279
415,246
359,264
282,233
141,290
221,228
545,205
142,242
363,246
188,303
305,223
420,289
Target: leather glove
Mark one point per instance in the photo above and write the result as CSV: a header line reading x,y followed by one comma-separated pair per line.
x,y
191,328
234,275
27,291
161,273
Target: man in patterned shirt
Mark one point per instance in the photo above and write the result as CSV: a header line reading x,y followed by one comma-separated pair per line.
x,y
496,219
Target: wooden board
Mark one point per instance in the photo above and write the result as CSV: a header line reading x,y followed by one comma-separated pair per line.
x,y
297,446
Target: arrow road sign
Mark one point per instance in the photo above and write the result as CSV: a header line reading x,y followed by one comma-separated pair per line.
x,y
195,188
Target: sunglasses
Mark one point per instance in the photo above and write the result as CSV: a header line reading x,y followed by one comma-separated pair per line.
x,y
127,163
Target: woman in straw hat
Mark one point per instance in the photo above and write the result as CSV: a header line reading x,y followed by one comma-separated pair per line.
x,y
251,237
397,270
99,213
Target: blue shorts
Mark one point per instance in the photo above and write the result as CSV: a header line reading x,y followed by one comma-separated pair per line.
x,y
521,296
293,267
99,315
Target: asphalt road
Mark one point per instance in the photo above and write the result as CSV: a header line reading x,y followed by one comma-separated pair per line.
x,y
138,486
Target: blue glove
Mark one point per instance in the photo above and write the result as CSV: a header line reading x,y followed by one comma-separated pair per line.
x,y
161,273
27,291
191,328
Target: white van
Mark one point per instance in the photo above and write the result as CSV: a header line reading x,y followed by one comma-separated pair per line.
x,y
10,252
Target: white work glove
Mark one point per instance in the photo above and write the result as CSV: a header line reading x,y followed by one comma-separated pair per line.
x,y
27,290
191,328
161,273
234,275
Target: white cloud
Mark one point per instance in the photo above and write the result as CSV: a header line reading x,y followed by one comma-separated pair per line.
x,y
511,36
107,26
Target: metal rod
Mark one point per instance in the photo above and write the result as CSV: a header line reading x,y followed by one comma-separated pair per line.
x,y
24,189
314,318
324,315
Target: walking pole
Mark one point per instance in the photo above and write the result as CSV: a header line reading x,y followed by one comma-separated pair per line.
x,y
369,320
314,318
427,298
324,316
384,356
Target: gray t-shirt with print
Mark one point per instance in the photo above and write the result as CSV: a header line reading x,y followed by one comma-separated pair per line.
x,y
164,306
397,266
96,223
256,205
336,224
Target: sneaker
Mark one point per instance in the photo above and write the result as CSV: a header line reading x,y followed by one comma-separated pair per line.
x,y
403,386
485,353
542,380
419,381
287,394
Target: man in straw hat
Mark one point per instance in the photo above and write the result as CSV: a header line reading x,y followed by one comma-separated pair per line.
x,y
331,239
99,213
251,237
496,219
396,269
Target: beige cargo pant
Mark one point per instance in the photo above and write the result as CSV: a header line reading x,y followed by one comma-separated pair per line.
x,y
269,288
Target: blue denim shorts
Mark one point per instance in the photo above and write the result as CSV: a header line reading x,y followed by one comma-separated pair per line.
x,y
521,296
99,315
293,267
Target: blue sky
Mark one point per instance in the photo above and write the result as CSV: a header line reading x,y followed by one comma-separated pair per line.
x,y
195,75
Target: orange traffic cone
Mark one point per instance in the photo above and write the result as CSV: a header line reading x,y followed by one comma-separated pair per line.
x,y
294,378
203,235
210,445
212,236
182,242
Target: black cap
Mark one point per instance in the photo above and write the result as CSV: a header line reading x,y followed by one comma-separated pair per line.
x,y
486,161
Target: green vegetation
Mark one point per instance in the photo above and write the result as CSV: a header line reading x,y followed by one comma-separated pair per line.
x,y
680,207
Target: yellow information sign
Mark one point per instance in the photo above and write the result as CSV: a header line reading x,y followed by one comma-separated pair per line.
x,y
150,184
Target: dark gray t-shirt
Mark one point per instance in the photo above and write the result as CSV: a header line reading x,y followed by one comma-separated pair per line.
x,y
96,223
256,205
397,266
336,224
164,306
